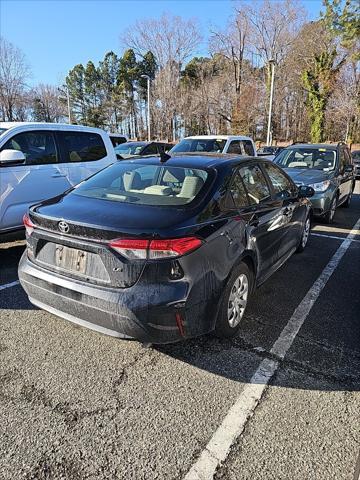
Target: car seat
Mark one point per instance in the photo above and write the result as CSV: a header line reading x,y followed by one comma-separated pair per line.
x,y
191,187
132,181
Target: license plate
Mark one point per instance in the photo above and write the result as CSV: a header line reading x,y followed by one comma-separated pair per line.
x,y
70,259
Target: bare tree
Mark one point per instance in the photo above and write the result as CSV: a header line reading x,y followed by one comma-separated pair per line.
x,y
169,38
274,27
232,43
172,40
46,103
14,72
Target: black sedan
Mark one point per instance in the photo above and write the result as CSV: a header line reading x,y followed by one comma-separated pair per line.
x,y
164,250
141,149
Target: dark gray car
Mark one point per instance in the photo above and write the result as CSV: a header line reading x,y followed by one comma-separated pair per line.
x,y
329,169
356,159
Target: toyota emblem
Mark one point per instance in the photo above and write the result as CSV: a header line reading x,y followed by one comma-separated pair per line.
x,y
63,227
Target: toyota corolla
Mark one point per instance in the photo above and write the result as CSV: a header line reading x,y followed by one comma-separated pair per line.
x,y
162,250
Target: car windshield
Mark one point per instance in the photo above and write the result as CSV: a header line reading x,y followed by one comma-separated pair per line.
x,y
300,157
130,182
199,145
130,148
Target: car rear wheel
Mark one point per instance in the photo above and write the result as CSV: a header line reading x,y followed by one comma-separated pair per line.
x,y
234,302
329,216
305,235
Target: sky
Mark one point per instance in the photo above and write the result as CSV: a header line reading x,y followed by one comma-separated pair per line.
x,y
55,35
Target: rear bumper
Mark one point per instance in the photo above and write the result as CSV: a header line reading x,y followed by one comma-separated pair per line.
x,y
148,313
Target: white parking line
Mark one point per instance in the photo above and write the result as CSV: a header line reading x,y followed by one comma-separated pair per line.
x,y
217,450
8,285
333,236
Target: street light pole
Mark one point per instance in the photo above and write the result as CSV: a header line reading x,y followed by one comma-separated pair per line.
x,y
148,106
272,65
68,103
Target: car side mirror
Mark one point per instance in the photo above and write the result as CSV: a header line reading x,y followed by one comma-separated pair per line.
x,y
305,191
349,168
11,157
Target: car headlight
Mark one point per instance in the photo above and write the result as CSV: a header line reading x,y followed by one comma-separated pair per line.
x,y
321,186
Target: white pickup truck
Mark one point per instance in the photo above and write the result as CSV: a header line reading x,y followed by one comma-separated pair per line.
x,y
236,144
42,160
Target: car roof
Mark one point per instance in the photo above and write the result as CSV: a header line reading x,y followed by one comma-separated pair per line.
x,y
49,126
196,160
313,145
217,137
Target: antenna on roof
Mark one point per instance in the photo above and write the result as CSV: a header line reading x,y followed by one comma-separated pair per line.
x,y
164,157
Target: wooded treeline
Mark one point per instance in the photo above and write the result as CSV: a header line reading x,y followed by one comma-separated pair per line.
x,y
317,77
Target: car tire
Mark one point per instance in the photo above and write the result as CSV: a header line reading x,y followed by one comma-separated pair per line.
x,y
304,235
329,215
234,301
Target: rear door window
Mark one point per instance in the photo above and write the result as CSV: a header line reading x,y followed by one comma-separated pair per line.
x,y
81,146
282,186
38,147
248,148
255,184
238,192
235,147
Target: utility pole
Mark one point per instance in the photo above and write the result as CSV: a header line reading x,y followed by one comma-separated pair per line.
x,y
272,66
68,102
148,106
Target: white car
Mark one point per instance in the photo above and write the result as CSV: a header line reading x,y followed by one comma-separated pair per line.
x,y
236,144
42,160
117,139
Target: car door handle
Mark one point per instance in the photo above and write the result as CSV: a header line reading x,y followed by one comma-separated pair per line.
x,y
58,175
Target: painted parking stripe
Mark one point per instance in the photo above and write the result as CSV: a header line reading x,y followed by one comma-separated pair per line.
x,y
217,450
9,285
333,236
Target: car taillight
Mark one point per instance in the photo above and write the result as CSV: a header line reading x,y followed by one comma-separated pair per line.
x,y
173,248
29,226
131,248
135,249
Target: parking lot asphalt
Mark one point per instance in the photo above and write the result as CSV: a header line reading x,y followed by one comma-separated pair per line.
x,y
75,404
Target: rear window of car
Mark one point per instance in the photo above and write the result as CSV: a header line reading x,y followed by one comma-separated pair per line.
x,y
300,157
81,146
141,184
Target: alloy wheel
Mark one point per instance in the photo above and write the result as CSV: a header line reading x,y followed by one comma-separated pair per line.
x,y
238,300
306,233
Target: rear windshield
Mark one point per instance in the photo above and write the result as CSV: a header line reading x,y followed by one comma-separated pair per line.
x,y
141,184
317,158
199,145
